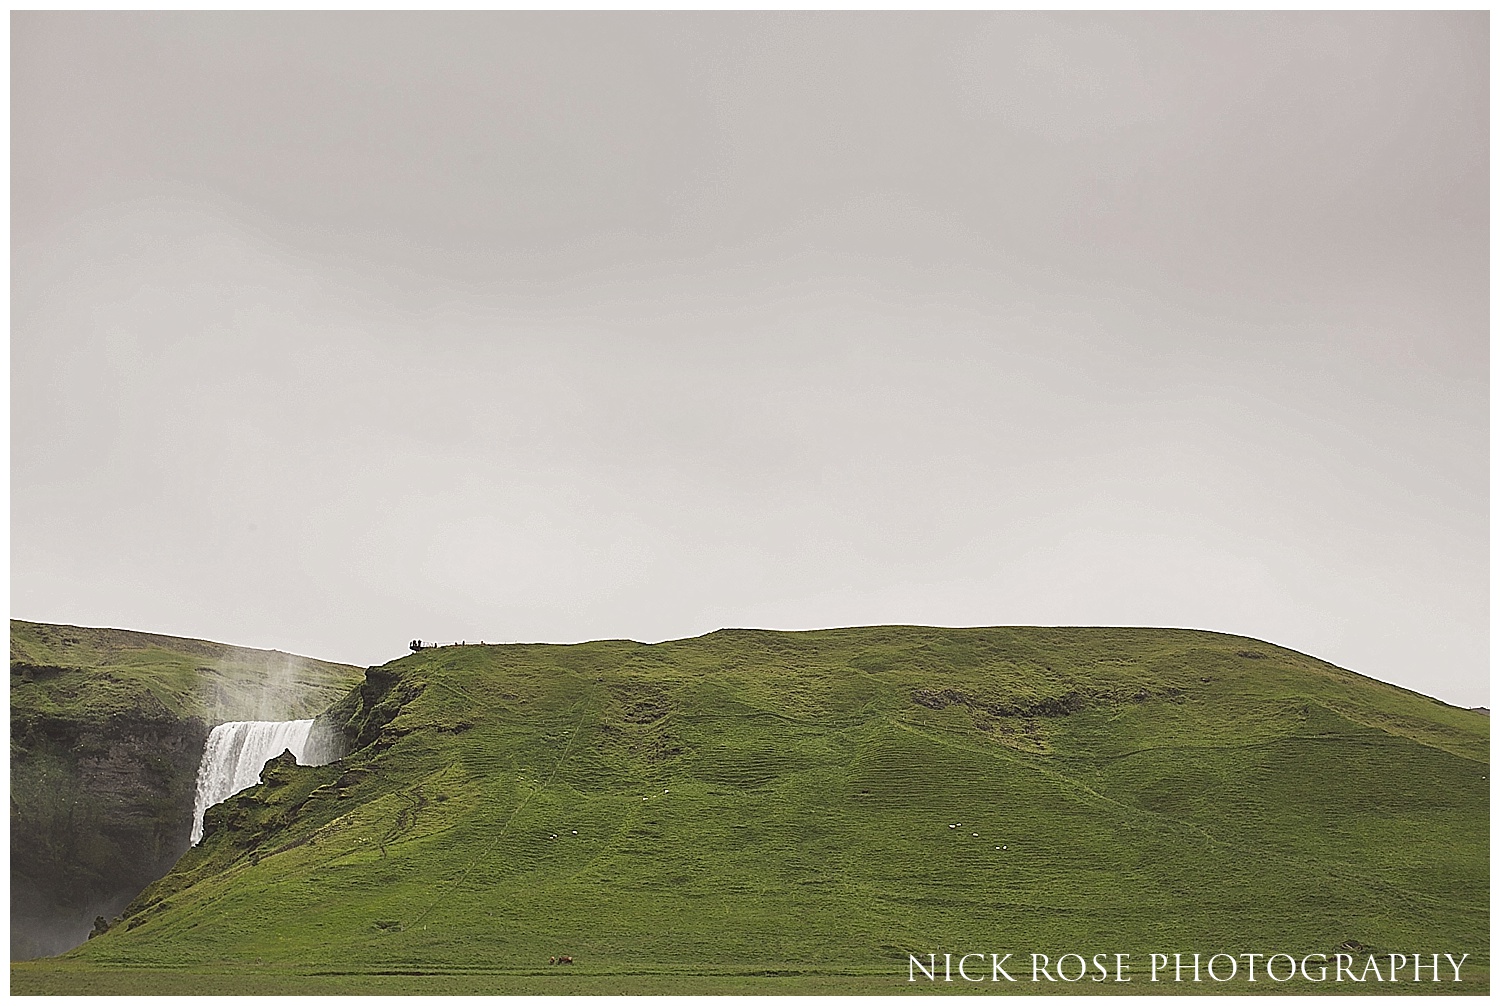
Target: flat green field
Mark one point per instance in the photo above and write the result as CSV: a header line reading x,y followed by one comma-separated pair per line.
x,y
35,978
755,811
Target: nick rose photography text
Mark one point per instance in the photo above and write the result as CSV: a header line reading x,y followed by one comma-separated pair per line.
x,y
1178,967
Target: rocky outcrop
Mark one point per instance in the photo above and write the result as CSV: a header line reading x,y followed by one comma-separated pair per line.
x,y
360,718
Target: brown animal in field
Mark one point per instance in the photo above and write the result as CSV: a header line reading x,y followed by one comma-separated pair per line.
x,y
565,959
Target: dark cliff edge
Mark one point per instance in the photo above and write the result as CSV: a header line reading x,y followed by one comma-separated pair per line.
x,y
99,809
362,717
106,735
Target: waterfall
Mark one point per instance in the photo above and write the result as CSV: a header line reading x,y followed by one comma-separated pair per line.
x,y
236,752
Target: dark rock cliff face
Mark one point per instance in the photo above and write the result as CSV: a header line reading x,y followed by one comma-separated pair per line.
x,y
360,717
99,809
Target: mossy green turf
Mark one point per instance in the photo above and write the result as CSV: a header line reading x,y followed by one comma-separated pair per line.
x,y
771,811
78,673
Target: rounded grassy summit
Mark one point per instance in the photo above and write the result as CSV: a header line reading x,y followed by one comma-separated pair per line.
x,y
801,811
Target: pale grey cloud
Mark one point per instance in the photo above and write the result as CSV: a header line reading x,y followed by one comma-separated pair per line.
x,y
332,330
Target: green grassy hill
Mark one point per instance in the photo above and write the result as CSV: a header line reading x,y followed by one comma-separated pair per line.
x,y
797,812
106,732
77,672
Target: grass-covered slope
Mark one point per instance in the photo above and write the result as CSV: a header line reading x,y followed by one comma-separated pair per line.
x,y
106,731
799,811
84,673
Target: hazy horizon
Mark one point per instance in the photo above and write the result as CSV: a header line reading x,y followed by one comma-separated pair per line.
x,y
330,331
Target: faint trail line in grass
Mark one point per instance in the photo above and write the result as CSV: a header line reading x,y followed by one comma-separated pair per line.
x,y
587,701
1248,746
455,690
1131,812
1340,868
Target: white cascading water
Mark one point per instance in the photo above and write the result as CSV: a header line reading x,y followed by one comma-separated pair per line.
x,y
234,755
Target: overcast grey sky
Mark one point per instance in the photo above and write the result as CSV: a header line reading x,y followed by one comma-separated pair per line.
x,y
330,331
